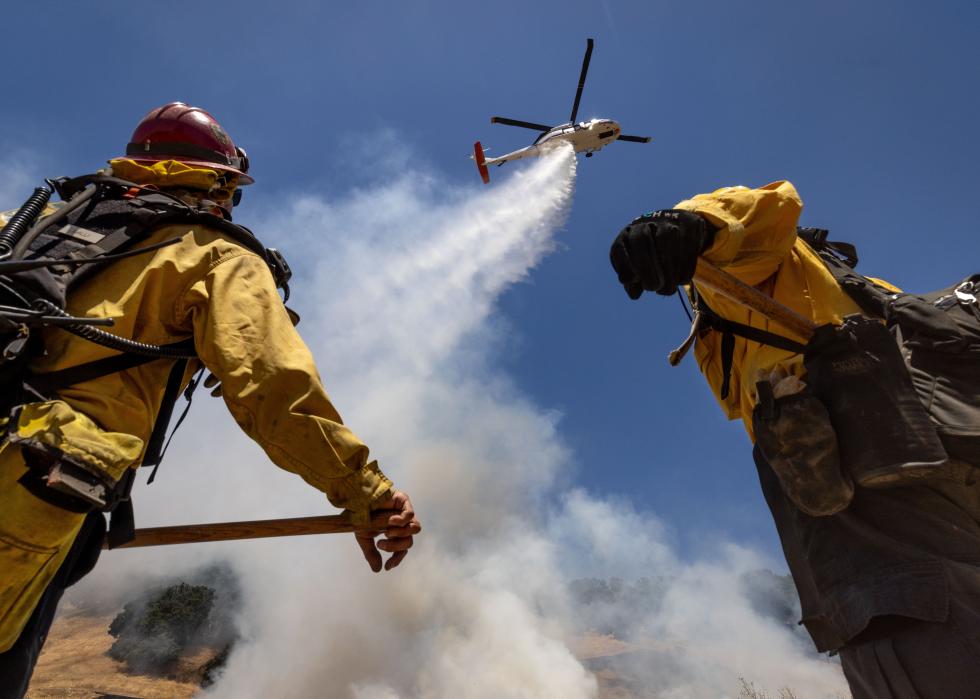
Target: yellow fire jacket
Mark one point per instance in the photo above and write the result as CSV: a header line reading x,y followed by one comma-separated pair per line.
x,y
757,243
223,295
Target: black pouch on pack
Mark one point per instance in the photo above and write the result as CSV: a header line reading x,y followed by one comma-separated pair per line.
x,y
885,435
796,437
940,334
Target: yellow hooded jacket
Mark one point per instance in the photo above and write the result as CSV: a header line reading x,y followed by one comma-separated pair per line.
x,y
757,243
223,295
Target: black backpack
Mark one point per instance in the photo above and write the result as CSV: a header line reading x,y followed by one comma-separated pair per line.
x,y
939,335
43,258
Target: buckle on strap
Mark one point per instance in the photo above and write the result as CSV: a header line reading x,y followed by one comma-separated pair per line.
x,y
967,292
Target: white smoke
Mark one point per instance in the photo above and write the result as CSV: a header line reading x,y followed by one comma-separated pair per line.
x,y
405,293
398,284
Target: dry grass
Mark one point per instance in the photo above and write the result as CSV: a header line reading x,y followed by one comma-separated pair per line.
x,y
747,690
74,665
595,645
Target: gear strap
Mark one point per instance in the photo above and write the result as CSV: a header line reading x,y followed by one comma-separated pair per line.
x,y
122,519
122,525
157,447
45,384
52,382
729,329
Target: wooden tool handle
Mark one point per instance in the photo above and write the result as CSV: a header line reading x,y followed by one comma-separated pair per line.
x,y
257,529
719,281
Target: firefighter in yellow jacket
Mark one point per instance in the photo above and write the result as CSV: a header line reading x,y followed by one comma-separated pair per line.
x,y
206,286
888,571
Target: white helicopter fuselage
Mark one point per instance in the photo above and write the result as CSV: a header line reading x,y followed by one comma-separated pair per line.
x,y
588,136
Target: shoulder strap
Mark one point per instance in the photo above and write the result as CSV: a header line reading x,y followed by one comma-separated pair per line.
x,y
816,238
840,259
166,209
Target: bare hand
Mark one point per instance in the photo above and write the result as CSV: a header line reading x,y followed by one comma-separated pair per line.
x,y
402,526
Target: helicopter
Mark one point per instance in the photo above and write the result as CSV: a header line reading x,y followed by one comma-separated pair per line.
x,y
589,136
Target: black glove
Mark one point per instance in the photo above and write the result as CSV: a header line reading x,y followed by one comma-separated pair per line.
x,y
659,251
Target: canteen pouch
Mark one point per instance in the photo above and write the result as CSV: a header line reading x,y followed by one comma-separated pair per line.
x,y
796,437
884,434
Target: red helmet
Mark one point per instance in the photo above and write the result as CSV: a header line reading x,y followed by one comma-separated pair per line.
x,y
190,135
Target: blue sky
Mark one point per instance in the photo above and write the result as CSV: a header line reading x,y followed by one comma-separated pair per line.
x,y
869,108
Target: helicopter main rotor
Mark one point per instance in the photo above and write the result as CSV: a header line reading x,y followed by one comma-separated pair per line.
x,y
581,79
578,97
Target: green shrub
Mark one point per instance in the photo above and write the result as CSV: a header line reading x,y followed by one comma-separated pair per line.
x,y
151,634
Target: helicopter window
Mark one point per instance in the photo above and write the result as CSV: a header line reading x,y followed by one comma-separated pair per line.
x,y
606,134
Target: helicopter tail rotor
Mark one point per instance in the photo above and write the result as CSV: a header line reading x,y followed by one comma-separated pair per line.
x,y
481,162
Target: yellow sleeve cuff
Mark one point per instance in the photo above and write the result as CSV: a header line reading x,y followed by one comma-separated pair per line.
x,y
359,491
